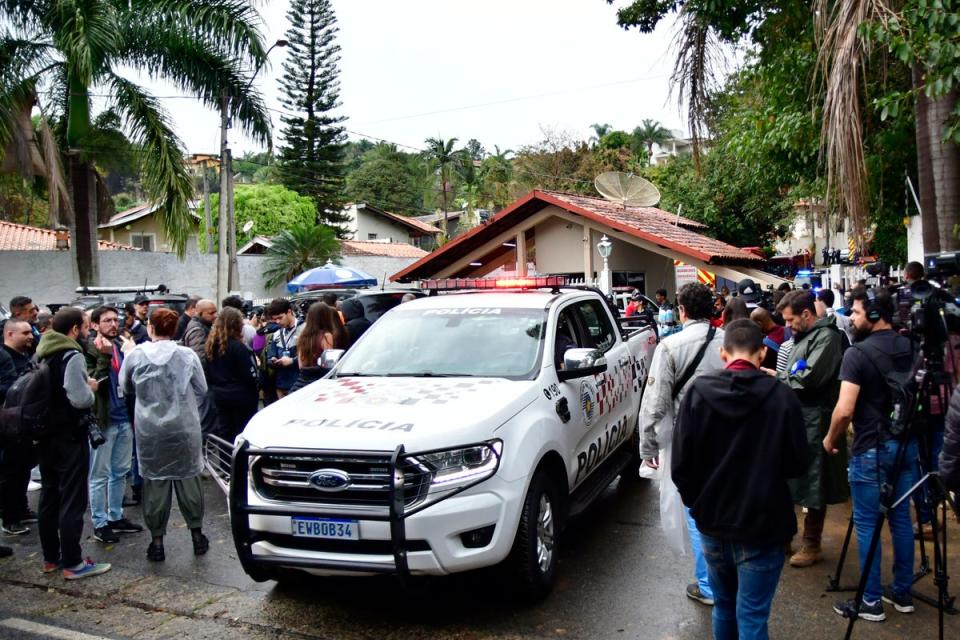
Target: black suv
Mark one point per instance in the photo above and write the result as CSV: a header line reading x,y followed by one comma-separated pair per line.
x,y
375,302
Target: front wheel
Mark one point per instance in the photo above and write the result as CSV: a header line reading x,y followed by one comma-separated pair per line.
x,y
533,558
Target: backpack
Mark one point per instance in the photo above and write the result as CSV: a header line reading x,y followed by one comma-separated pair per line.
x,y
26,409
901,389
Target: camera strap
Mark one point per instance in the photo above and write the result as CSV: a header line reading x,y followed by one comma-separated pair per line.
x,y
692,368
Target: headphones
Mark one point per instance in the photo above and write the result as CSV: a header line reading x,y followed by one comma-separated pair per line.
x,y
871,309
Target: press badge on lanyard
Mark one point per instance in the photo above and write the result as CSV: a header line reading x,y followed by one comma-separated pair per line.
x,y
115,367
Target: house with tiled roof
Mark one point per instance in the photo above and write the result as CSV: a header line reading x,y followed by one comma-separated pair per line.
x,y
558,233
20,237
370,223
258,245
139,227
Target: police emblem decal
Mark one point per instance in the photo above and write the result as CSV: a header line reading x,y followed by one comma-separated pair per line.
x,y
588,402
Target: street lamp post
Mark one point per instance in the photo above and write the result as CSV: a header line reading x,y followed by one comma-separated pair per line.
x,y
228,273
605,248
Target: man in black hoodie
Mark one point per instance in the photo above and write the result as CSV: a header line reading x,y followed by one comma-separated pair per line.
x,y
355,322
739,437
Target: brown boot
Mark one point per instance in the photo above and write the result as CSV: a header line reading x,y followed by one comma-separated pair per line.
x,y
806,557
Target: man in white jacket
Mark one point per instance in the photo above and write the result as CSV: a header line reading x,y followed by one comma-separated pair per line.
x,y
678,360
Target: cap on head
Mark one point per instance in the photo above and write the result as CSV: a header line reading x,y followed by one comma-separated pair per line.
x,y
748,290
141,299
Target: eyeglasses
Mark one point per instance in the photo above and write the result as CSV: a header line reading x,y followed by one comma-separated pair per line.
x,y
110,321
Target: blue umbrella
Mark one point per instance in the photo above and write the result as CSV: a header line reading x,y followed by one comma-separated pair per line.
x,y
329,276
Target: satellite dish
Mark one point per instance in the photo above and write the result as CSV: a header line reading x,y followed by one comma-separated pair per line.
x,y
247,226
627,189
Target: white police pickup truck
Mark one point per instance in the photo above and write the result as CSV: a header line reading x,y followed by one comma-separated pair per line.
x,y
460,432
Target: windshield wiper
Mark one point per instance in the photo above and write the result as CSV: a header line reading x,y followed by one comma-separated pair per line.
x,y
428,374
356,374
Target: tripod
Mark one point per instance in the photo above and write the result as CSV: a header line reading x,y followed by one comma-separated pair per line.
x,y
938,497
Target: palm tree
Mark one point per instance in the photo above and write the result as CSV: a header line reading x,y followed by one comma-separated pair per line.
x,y
441,151
298,249
844,50
599,130
650,132
497,173
78,49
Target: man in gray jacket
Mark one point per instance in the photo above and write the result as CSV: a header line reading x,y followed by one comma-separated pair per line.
x,y
678,360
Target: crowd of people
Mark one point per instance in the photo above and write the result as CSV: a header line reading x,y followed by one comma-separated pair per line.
x,y
132,394
747,414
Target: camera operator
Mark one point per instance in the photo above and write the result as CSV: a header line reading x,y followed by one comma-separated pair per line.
x,y
865,399
249,331
65,453
282,349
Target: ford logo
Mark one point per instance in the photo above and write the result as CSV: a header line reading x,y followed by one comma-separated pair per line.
x,y
329,480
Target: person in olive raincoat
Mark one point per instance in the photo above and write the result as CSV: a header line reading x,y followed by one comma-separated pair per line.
x,y
813,373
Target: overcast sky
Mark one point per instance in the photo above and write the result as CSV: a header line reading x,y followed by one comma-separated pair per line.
x,y
496,70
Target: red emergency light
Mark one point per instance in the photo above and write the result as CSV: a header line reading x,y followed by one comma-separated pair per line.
x,y
459,284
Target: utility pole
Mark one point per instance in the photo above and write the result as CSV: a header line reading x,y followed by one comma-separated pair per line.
x,y
233,269
223,265
208,221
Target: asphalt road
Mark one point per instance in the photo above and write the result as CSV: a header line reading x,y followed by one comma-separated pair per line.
x,y
617,580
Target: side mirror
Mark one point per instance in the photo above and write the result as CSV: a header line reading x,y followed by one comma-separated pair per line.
x,y
580,363
329,358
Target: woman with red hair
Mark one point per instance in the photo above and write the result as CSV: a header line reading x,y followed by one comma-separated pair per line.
x,y
167,380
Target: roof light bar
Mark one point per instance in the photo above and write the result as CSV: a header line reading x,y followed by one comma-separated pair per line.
x,y
459,284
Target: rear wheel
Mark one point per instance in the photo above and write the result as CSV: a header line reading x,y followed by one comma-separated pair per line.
x,y
533,559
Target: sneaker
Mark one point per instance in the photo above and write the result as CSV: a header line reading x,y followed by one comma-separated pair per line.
x,y
902,602
86,569
14,529
806,557
124,526
50,567
29,518
870,612
5,552
201,544
105,535
34,486
694,593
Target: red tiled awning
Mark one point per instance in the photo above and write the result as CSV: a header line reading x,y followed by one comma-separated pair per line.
x,y
20,237
645,223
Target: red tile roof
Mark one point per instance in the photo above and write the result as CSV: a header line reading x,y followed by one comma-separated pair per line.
x,y
386,249
645,223
20,237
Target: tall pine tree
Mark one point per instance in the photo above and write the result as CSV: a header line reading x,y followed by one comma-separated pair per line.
x,y
311,158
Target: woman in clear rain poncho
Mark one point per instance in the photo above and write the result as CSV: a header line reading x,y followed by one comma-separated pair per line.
x,y
167,379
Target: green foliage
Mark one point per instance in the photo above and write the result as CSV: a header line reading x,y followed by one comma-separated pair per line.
x,y
256,167
73,50
271,207
385,179
297,249
615,140
312,156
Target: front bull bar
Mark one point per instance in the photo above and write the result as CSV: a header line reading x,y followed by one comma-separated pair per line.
x,y
244,538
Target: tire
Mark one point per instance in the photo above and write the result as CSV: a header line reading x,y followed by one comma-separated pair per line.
x,y
532,563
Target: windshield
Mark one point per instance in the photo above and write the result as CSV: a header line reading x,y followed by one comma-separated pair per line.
x,y
484,342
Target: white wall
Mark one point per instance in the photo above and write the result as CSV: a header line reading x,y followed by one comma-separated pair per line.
x,y
48,276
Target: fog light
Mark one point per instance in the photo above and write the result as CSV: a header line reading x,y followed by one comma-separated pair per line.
x,y
478,537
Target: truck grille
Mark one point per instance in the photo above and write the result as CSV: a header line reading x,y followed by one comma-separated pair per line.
x,y
287,479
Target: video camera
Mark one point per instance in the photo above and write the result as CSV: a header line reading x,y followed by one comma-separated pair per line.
x,y
927,310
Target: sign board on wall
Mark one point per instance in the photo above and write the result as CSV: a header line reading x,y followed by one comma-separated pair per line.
x,y
685,274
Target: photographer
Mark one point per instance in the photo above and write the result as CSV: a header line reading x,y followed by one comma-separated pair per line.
x,y
282,349
865,399
65,453
110,463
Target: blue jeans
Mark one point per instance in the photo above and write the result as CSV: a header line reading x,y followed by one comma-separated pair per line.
x,y
699,563
865,489
744,579
109,465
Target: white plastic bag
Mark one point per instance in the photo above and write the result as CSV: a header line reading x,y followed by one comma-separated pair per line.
x,y
673,519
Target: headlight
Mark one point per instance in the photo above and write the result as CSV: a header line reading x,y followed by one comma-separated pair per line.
x,y
453,470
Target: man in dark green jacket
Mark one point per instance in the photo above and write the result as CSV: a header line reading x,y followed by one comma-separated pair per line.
x,y
813,373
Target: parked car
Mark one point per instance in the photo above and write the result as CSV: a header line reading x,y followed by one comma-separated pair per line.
x,y
376,302
159,296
